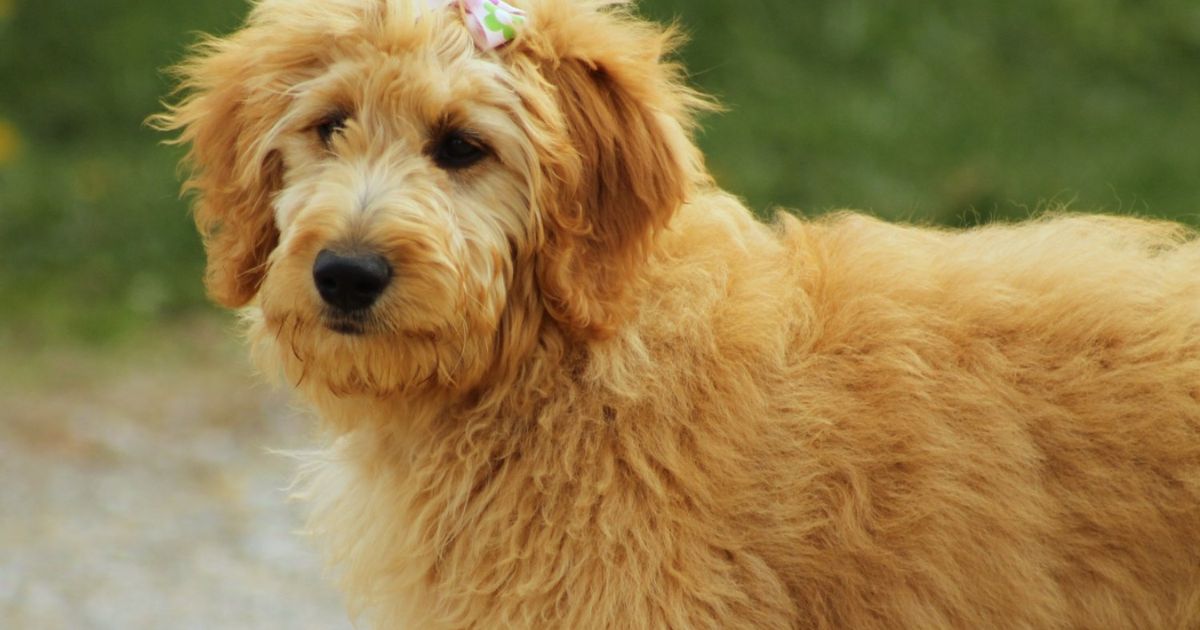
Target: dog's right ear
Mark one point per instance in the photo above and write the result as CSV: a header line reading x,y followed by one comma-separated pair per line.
x,y
232,99
626,161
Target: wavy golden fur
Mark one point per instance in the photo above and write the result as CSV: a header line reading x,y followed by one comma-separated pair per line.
x,y
598,394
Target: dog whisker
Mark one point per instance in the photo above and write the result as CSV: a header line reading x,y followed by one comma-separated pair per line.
x,y
292,337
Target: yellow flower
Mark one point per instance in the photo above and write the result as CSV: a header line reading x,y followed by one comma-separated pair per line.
x,y
6,7
10,142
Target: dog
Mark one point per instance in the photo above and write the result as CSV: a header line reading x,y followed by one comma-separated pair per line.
x,y
570,383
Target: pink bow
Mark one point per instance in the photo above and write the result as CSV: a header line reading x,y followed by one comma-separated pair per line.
x,y
492,23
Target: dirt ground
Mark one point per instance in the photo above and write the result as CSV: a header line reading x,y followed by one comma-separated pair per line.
x,y
137,490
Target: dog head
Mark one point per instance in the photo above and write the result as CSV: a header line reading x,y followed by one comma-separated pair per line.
x,y
405,210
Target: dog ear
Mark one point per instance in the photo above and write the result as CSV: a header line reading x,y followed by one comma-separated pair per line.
x,y
228,112
630,163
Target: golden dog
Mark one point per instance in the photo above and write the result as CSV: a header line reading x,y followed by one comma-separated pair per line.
x,y
572,384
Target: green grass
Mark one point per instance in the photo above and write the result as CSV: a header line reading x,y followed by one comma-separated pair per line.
x,y
96,241
948,110
944,111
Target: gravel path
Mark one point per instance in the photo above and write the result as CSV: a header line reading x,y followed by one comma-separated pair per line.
x,y
137,491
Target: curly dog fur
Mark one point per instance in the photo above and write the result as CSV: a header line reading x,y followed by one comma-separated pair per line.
x,y
598,394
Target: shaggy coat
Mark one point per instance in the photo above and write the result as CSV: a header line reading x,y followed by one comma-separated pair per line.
x,y
599,394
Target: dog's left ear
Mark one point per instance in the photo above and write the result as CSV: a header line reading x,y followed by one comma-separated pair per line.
x,y
627,163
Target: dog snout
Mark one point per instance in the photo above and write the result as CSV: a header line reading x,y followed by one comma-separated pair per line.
x,y
351,282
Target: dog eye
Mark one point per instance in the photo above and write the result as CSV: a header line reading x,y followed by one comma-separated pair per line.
x,y
457,150
330,126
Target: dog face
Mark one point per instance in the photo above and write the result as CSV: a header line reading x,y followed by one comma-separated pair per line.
x,y
406,211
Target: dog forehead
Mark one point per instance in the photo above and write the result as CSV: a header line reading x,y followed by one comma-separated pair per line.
x,y
345,15
416,84
333,26
418,51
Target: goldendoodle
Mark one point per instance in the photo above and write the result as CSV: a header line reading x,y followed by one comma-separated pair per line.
x,y
570,383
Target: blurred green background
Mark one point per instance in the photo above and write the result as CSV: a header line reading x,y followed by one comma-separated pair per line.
x,y
946,111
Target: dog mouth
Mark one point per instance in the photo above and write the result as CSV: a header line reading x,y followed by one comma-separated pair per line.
x,y
346,328
354,324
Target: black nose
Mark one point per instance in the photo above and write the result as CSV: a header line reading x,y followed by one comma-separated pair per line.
x,y
351,282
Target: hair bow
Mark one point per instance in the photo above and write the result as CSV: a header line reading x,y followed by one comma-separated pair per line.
x,y
492,23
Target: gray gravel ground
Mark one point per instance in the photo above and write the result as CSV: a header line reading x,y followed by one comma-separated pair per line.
x,y
137,491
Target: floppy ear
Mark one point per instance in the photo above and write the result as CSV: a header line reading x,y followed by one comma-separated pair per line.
x,y
229,111
630,162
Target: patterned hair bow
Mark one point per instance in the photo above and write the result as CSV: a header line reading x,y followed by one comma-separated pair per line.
x,y
492,23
